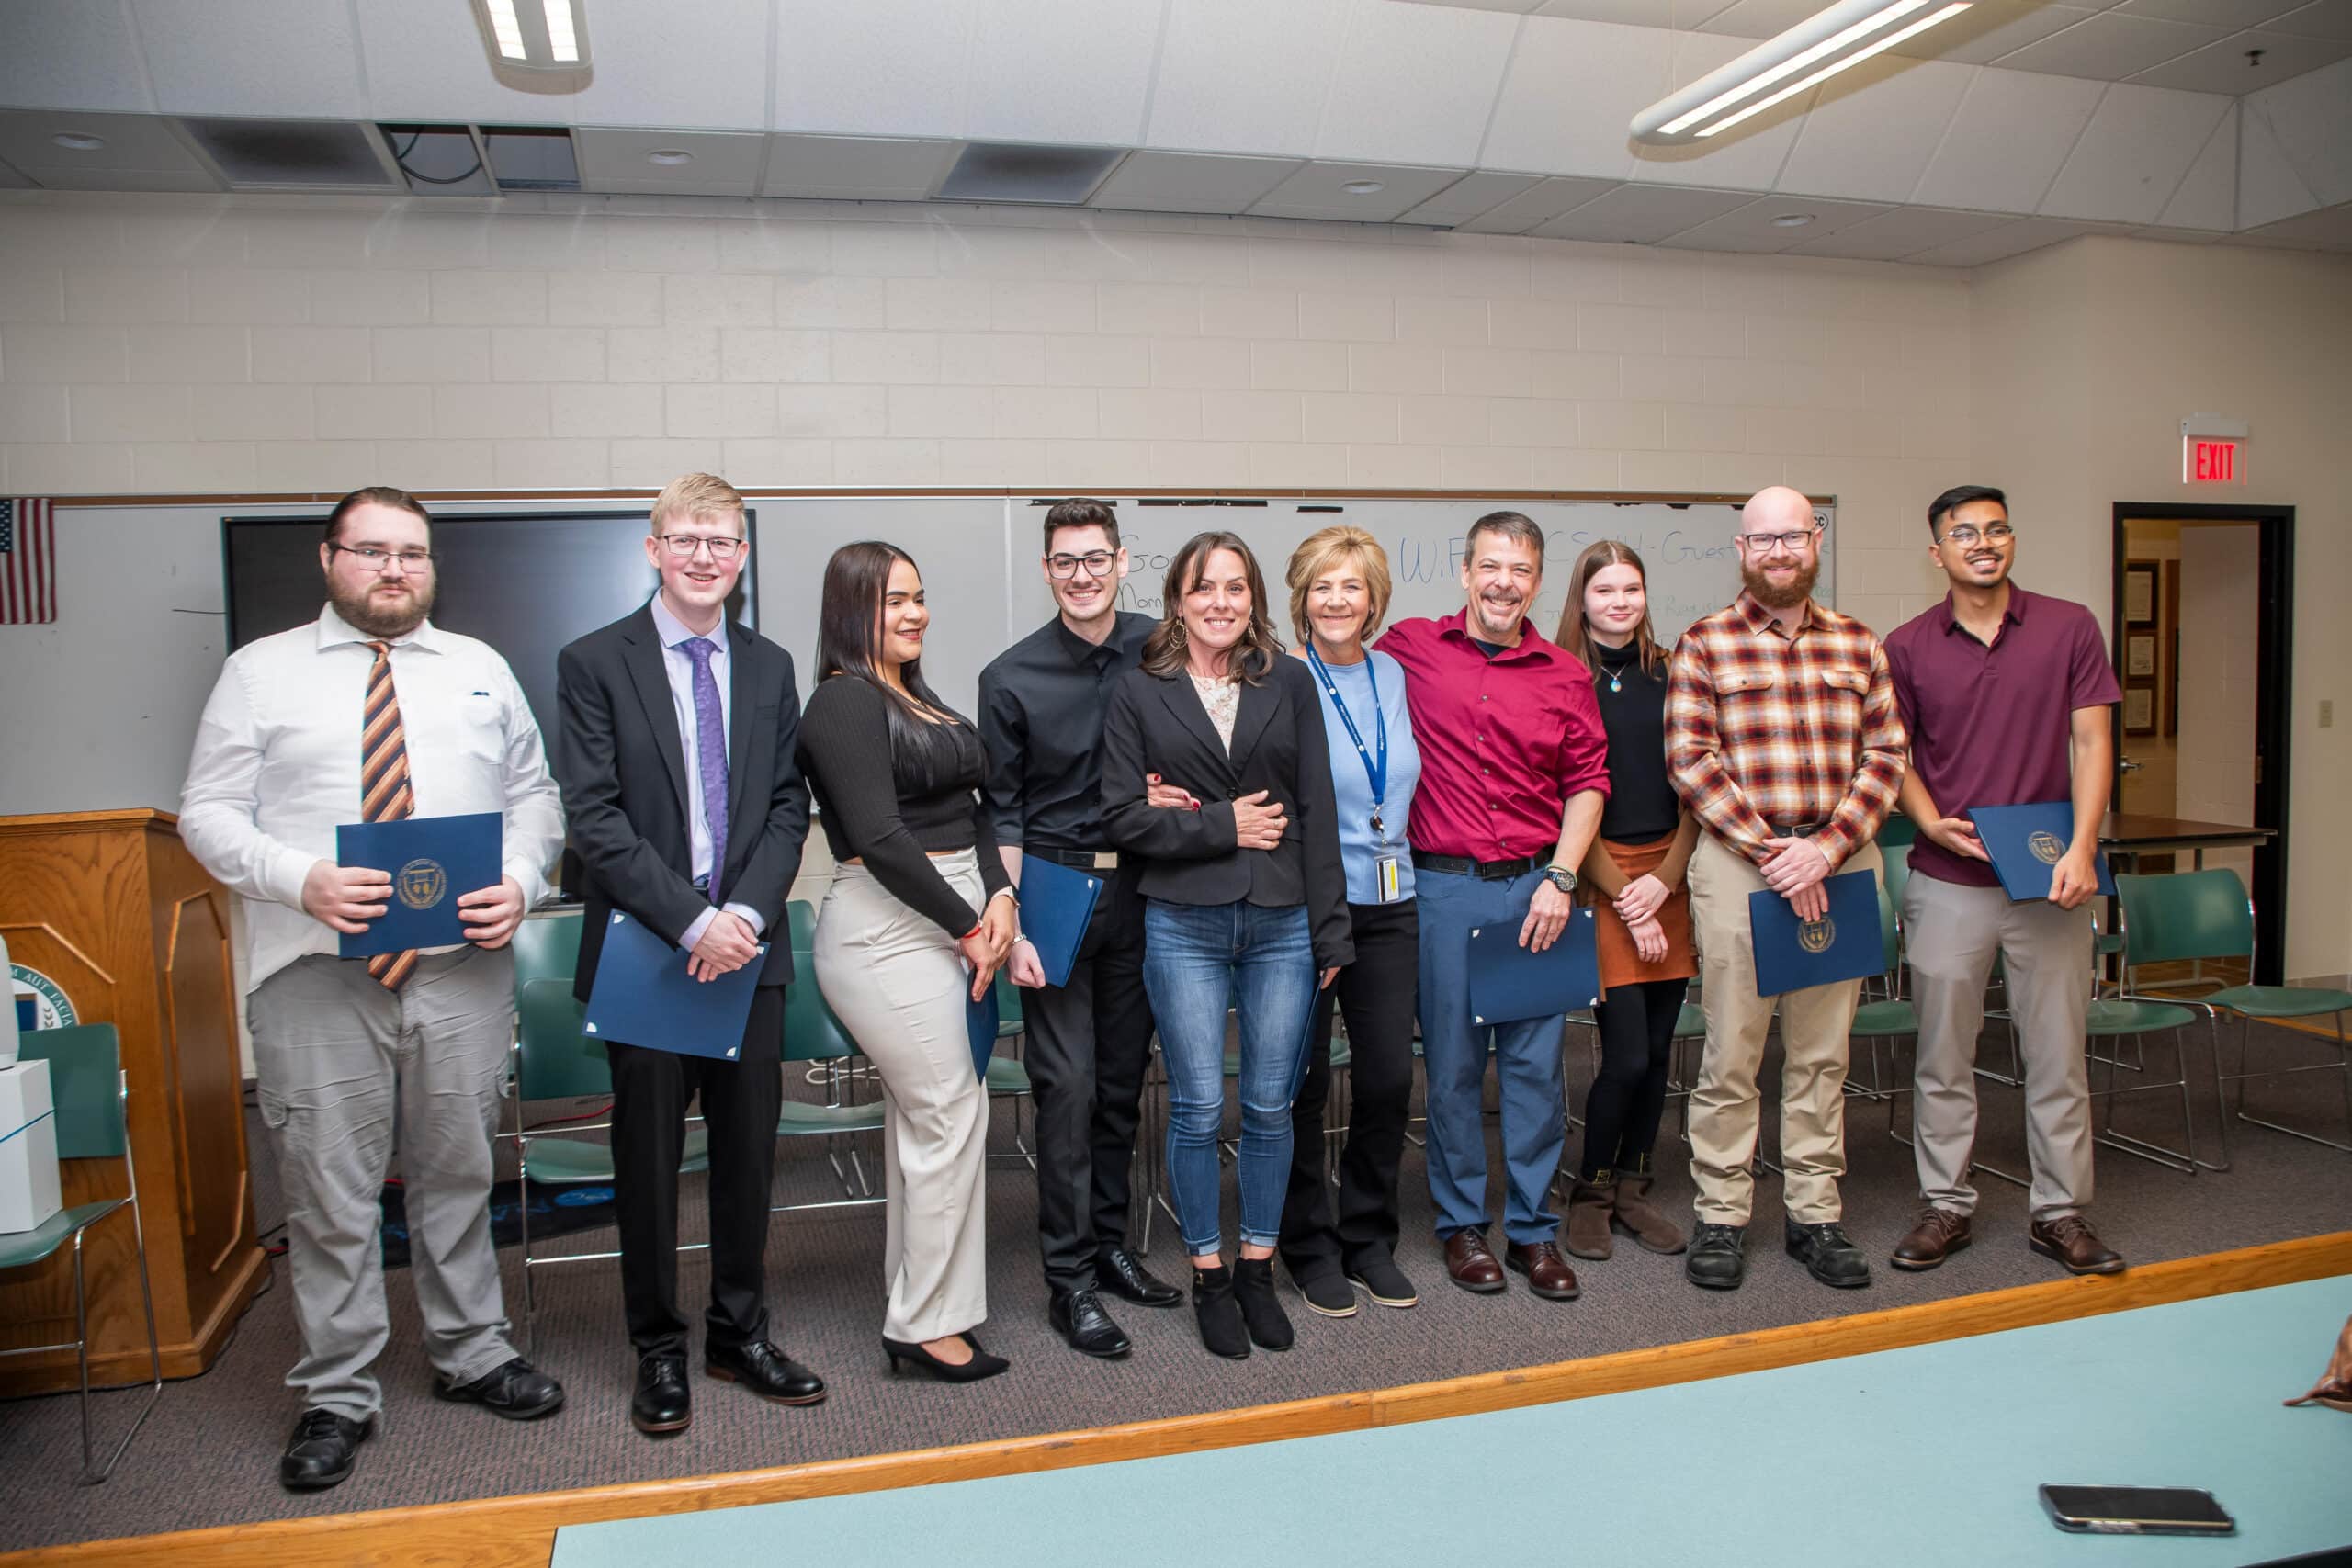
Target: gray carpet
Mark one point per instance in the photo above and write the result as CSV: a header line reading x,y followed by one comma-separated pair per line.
x,y
208,1456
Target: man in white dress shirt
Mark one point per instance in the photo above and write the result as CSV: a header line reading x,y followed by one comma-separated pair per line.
x,y
372,713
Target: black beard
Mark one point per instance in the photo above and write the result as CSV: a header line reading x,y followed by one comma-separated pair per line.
x,y
360,613
1762,590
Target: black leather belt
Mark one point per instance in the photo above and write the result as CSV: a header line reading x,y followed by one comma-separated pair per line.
x,y
1081,860
1483,870
1797,829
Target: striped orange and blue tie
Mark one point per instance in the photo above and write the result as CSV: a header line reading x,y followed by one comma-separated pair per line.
x,y
384,791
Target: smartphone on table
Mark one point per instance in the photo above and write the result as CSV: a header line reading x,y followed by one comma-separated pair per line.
x,y
2137,1510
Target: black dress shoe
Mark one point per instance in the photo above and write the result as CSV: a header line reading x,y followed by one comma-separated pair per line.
x,y
515,1389
1716,1260
1829,1256
1078,1316
320,1453
1122,1273
981,1365
663,1403
764,1370
1327,1289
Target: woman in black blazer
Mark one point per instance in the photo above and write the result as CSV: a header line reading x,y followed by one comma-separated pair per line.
x,y
1246,902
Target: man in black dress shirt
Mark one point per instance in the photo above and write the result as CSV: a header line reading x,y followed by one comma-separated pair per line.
x,y
1041,716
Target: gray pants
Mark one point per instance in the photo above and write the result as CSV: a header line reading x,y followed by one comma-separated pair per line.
x,y
1952,933
343,1063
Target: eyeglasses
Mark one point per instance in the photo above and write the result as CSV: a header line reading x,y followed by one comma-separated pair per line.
x,y
682,546
1096,562
1968,534
1787,541
370,559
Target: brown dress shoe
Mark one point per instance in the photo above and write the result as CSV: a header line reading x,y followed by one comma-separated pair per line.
x,y
2070,1239
1938,1235
1589,1203
1471,1265
1642,1220
1548,1274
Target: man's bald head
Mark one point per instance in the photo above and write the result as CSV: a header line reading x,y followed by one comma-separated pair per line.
x,y
1780,547
1774,509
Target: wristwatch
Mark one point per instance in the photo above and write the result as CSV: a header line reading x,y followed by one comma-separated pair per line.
x,y
1561,878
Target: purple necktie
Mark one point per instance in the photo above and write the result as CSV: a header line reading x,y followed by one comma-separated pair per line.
x,y
710,754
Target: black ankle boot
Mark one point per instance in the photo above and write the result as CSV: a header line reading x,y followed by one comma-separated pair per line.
x,y
1222,1330
1261,1310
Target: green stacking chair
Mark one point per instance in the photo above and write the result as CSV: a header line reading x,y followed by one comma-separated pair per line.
x,y
2206,914
547,946
813,1034
2127,1016
1007,1078
1892,1017
91,1094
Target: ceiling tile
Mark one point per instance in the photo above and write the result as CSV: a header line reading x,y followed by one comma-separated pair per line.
x,y
1751,227
721,163
1573,89
2111,46
11,180
1473,193
252,57
1067,71
1750,154
1990,28
1152,181
2212,12
862,168
2269,187
70,54
2133,154
1235,76
2178,236
1537,204
1873,128
2311,119
1681,14
136,145
2223,68
2007,139
1995,245
1414,84
1514,7
2208,195
1643,214
2330,228
2322,18
1900,233
1760,18
1315,192
879,68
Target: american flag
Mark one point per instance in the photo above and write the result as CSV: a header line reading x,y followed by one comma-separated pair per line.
x,y
28,561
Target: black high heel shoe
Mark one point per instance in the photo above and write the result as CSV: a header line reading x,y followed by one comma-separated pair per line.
x,y
981,1365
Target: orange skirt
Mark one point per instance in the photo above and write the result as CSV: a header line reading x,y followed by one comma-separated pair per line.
x,y
1620,964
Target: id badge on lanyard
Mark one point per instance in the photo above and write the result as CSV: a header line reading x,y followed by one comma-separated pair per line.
x,y
1387,867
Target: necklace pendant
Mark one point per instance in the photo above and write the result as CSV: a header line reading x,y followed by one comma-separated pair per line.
x,y
1616,685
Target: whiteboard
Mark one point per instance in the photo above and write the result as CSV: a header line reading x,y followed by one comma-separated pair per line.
x,y
99,709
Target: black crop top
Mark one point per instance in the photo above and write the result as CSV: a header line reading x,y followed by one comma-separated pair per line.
x,y
890,809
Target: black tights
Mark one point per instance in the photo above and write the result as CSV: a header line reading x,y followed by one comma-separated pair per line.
x,y
1628,1099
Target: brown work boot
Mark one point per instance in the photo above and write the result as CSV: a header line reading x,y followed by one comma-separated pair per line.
x,y
1642,1220
1589,1203
1938,1235
2070,1239
1470,1263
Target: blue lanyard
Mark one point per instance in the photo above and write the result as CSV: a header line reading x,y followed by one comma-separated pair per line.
x,y
1375,762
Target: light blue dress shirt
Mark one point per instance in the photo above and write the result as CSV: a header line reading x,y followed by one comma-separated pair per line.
x,y
1351,783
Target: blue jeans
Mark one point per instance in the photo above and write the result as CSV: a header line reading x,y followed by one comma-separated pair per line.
x,y
1527,1066
1198,960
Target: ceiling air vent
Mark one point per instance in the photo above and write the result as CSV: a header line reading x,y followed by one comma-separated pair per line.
x,y
1003,170
293,154
528,157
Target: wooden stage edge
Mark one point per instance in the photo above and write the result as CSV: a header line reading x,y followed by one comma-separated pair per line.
x,y
519,1532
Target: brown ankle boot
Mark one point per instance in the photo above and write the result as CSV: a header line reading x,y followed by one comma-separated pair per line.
x,y
1588,1208
1642,1220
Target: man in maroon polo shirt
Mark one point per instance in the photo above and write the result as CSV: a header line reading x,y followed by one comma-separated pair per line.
x,y
1513,774
2006,695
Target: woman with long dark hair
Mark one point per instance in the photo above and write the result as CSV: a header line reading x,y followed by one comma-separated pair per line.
x,y
918,918
1246,902
1633,877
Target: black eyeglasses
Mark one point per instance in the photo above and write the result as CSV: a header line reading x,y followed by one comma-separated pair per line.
x,y
1967,534
370,559
682,546
1787,541
1096,562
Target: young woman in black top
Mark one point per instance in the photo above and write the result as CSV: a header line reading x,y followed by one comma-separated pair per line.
x,y
918,918
1633,874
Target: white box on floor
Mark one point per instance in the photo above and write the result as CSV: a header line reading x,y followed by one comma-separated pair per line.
x,y
29,1192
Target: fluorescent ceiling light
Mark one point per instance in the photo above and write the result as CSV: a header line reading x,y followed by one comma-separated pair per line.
x,y
1814,49
548,36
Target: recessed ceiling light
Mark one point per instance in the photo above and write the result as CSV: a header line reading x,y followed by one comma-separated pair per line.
x,y
78,140
670,157
1792,221
1363,187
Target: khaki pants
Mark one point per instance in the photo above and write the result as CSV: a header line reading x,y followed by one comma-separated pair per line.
x,y
1724,1108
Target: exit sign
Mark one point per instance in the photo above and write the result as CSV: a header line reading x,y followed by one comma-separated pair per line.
x,y
2205,460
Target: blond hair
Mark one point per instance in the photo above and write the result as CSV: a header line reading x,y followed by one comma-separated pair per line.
x,y
692,496
1328,548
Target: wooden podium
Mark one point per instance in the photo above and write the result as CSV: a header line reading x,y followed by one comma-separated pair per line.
x,y
117,922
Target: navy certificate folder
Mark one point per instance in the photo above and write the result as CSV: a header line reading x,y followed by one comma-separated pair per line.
x,y
980,1023
2026,843
1845,944
644,996
1508,982
1057,903
433,862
